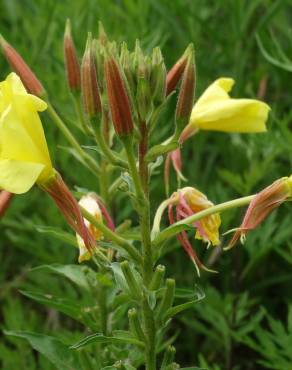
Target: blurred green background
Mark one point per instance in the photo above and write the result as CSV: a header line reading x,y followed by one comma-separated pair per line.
x,y
245,322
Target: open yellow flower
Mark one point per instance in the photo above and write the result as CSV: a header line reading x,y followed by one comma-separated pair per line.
x,y
24,155
215,110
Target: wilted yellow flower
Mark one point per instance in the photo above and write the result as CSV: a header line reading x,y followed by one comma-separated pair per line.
x,y
89,202
207,227
261,206
215,110
24,155
187,202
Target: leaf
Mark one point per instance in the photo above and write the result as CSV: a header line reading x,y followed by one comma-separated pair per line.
x,y
160,149
58,234
100,338
182,307
119,277
52,348
68,307
75,273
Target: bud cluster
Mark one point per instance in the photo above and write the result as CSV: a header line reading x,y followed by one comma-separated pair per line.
x,y
125,86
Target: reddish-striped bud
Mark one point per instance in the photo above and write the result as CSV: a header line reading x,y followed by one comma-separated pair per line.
x,y
16,62
174,75
5,199
118,98
72,65
67,204
186,94
89,85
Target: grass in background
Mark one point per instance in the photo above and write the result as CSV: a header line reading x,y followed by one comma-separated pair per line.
x,y
230,329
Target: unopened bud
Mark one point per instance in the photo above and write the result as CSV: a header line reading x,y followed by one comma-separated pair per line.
x,y
89,85
174,75
5,199
126,64
167,298
157,277
102,36
72,65
132,282
158,77
16,62
186,94
168,356
135,324
118,98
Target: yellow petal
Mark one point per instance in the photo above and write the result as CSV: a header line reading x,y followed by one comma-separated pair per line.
x,y
19,142
84,254
18,177
216,111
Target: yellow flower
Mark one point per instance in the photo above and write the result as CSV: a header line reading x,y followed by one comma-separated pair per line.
x,y
89,202
216,110
24,155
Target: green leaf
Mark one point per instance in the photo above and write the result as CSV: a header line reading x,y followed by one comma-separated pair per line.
x,y
58,234
160,149
75,273
182,307
68,307
100,338
52,348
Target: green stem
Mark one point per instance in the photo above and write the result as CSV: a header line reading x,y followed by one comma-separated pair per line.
x,y
109,234
106,151
127,141
102,302
180,225
140,180
88,160
78,107
150,332
157,218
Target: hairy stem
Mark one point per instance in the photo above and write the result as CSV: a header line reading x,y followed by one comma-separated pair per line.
x,y
140,180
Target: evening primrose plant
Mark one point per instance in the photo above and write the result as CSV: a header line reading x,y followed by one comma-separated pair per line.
x,y
119,96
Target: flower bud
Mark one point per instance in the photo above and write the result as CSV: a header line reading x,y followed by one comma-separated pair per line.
x,y
5,199
158,77
168,357
186,94
102,36
174,75
72,65
134,288
118,98
16,62
89,85
167,298
127,65
135,324
157,277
